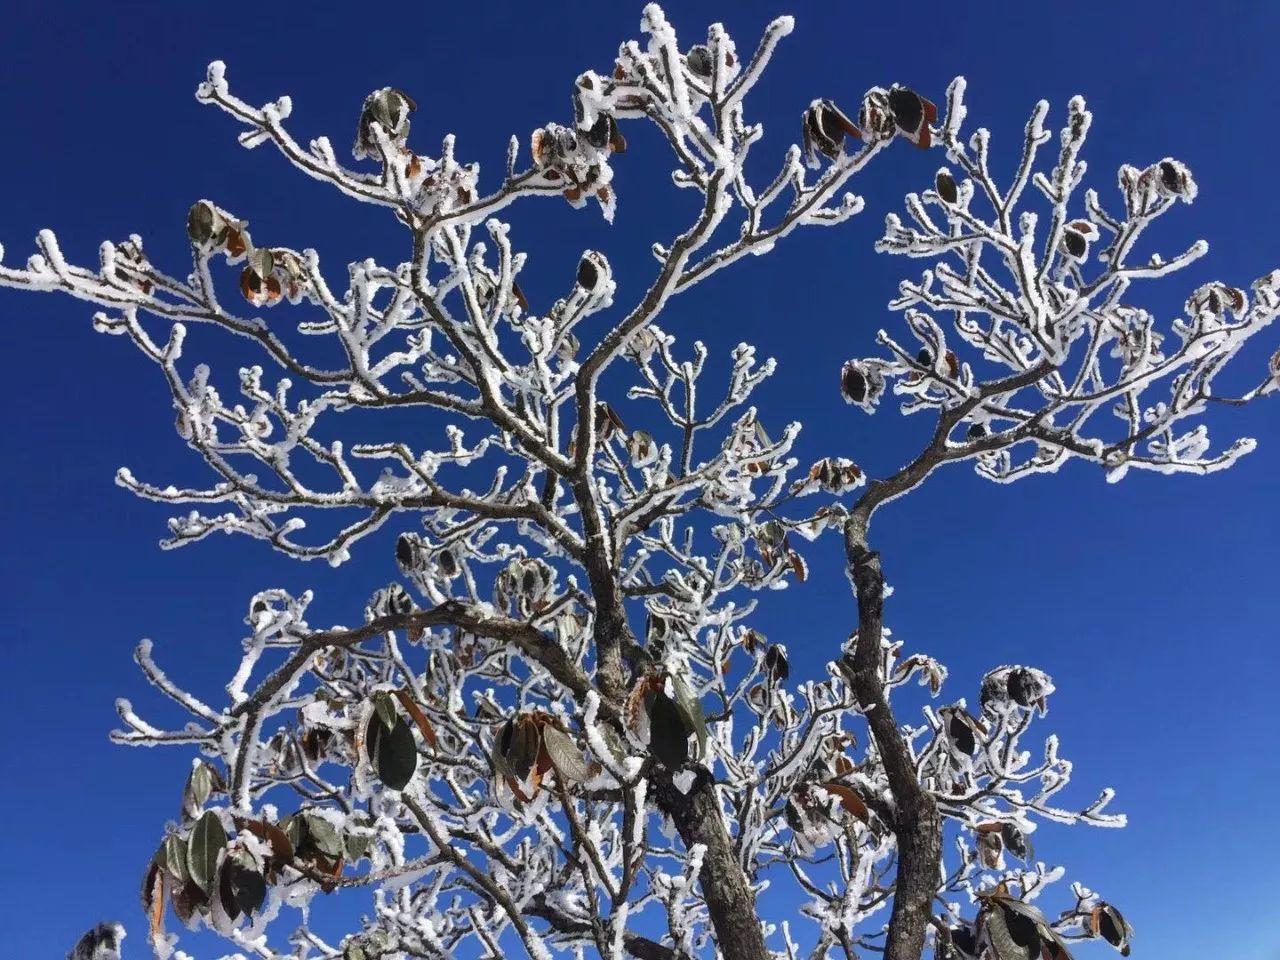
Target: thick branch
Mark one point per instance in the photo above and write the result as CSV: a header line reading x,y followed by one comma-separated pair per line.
x,y
730,900
917,822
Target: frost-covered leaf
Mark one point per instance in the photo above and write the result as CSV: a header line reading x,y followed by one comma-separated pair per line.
x,y
175,858
100,943
564,754
323,835
202,783
691,710
282,846
385,710
206,841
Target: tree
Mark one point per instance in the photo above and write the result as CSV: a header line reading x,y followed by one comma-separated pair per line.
x,y
561,726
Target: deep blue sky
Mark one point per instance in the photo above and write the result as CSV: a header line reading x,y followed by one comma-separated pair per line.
x,y
1152,603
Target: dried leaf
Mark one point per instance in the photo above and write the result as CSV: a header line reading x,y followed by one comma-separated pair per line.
x,y
419,718
563,754
692,712
849,799
281,844
153,897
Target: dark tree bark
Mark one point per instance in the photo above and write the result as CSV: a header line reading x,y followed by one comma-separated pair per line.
x,y
917,823
730,899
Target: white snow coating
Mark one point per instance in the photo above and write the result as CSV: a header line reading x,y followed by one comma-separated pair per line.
x,y
570,646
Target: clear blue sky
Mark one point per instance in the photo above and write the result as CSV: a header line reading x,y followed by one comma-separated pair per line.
x,y
1152,603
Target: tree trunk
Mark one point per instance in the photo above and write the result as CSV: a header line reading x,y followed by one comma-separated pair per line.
x,y
917,824
730,899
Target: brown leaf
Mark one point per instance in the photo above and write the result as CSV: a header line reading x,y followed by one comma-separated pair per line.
x,y
153,900
186,900
849,799
419,718
281,847
798,566
235,242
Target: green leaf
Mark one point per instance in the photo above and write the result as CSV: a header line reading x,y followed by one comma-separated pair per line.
x,y
199,787
565,755
358,845
206,841
613,741
394,752
668,732
201,222
324,836
692,712
385,708
175,858
359,837
295,828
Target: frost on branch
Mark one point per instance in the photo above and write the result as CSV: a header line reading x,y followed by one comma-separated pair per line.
x,y
1048,356
559,731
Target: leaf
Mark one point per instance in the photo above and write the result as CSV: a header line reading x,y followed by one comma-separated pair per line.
x,y
588,274
990,846
359,842
281,845
385,709
263,262
698,60
775,663
961,735
186,900
692,711
1107,922
202,222
517,747
394,753
329,867
294,828
798,566
564,754
323,835
153,902
175,858
424,725
849,799
202,783
1011,935
1017,842
206,841
235,241
241,888
946,187
668,732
